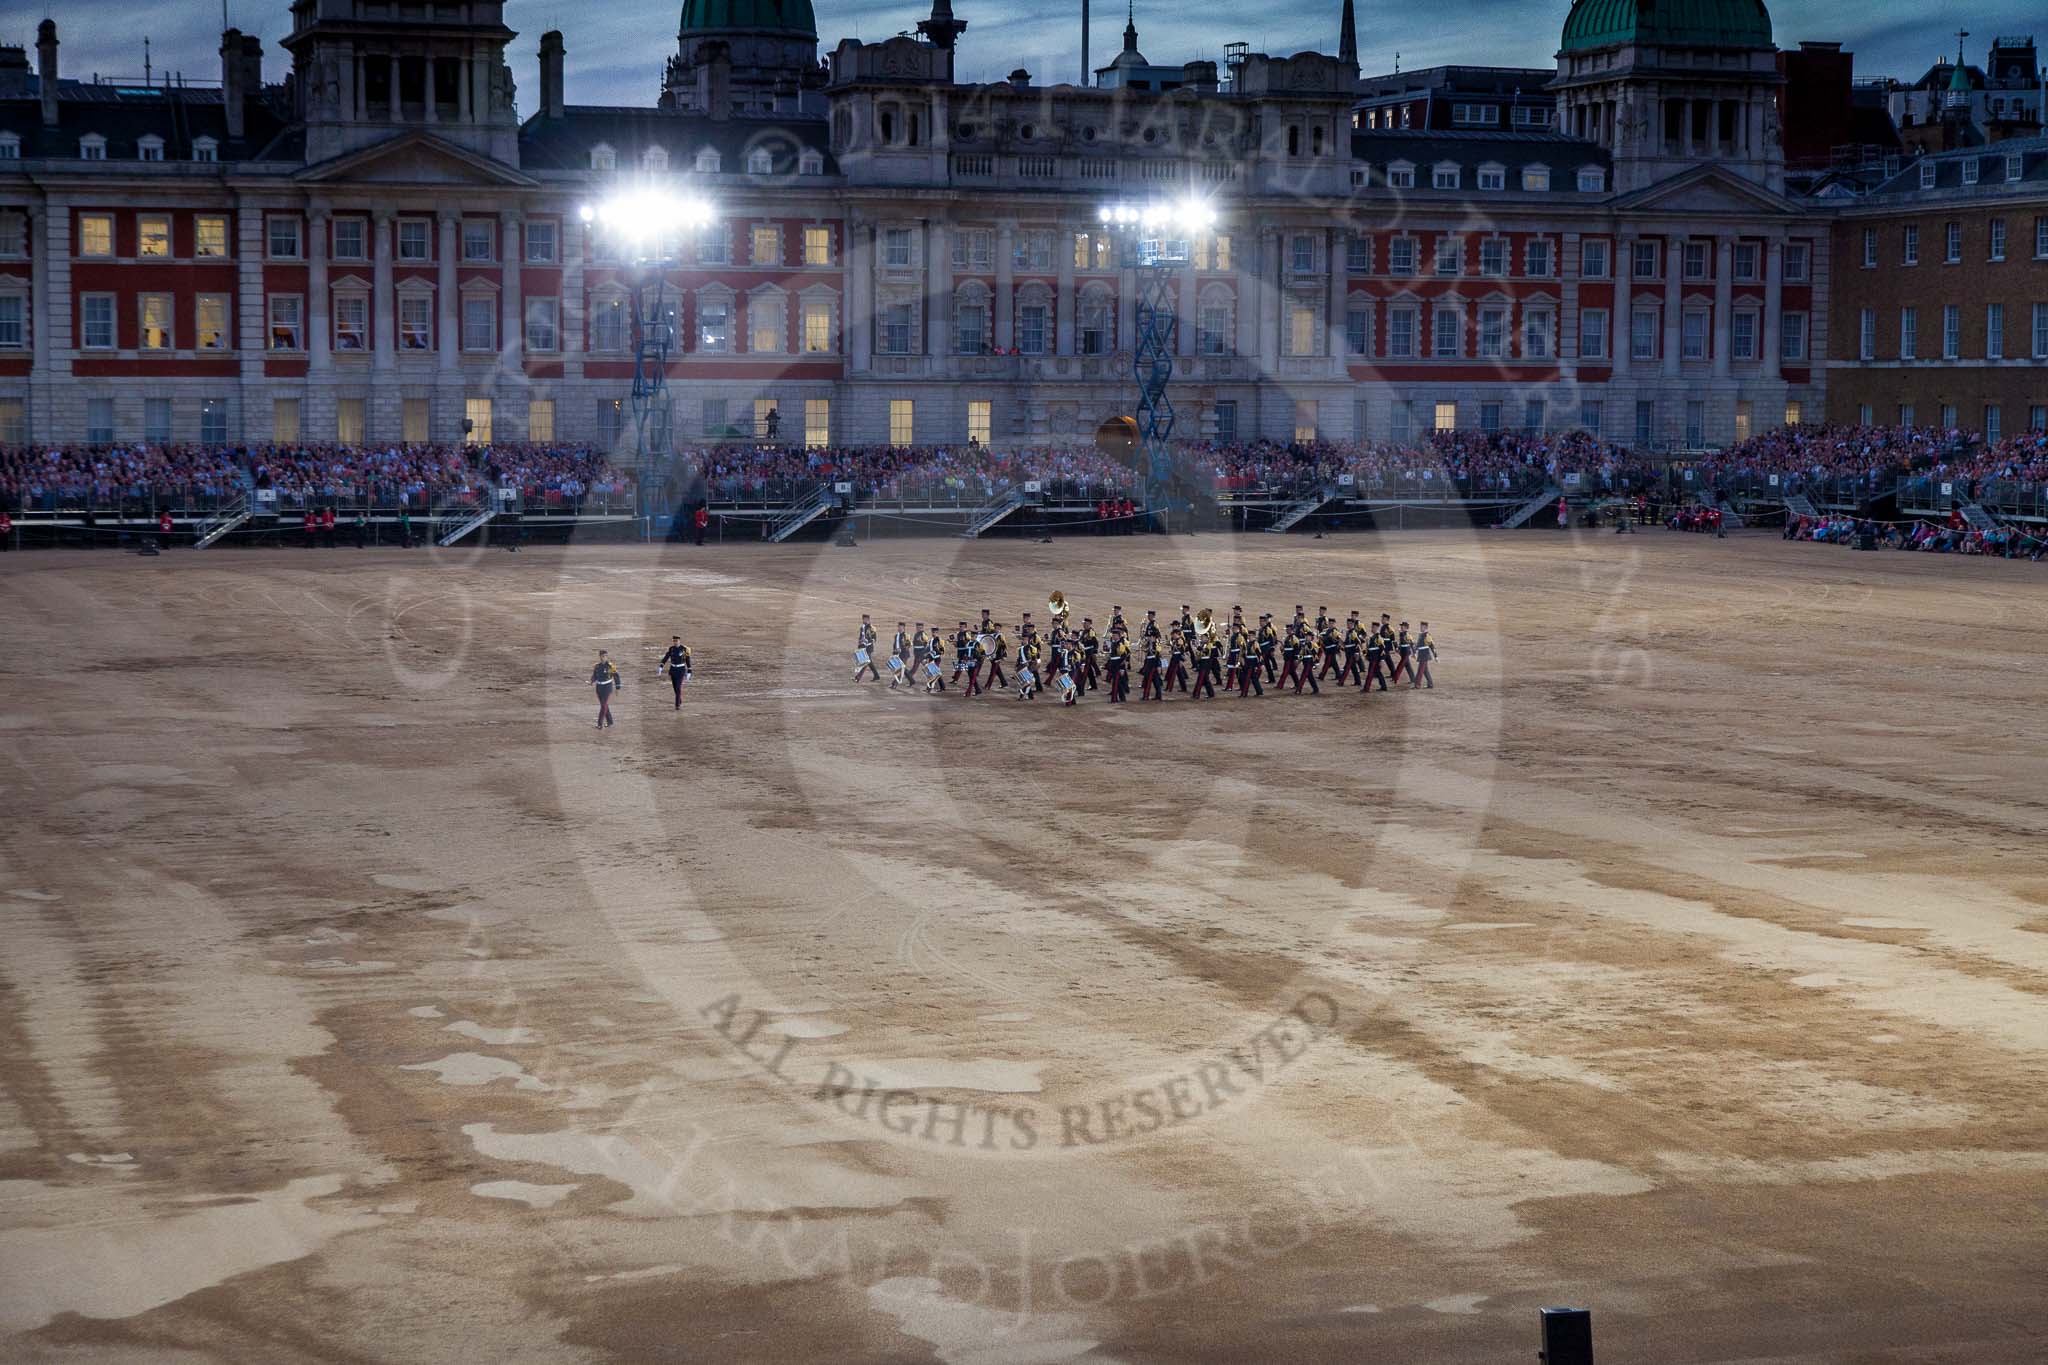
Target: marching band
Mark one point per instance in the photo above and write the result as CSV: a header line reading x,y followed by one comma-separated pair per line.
x,y
1194,653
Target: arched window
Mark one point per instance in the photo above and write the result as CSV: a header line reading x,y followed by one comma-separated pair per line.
x,y
1034,319
970,319
1095,319
888,125
1316,139
915,121
1294,139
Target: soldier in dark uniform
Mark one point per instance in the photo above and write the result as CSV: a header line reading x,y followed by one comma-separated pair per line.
x,y
900,647
1354,652
998,650
963,649
864,644
1208,665
1176,660
1116,620
1306,673
676,663
1425,651
605,678
935,680
1091,644
1404,649
1290,656
1245,660
1119,665
1030,676
1332,645
1149,688
1150,630
1187,623
1268,644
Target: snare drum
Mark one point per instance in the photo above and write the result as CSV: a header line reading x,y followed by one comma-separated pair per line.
x,y
931,668
1063,683
895,664
860,656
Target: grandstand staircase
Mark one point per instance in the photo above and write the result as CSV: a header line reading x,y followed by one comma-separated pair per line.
x,y
991,516
1976,518
453,523
1799,505
1520,516
222,522
801,513
1730,518
1295,513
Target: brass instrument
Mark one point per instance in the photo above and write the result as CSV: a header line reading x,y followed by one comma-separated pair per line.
x,y
1057,606
1205,624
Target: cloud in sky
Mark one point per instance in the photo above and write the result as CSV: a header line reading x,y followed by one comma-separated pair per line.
x,y
616,50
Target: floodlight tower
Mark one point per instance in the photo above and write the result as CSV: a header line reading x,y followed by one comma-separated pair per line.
x,y
1156,240
648,229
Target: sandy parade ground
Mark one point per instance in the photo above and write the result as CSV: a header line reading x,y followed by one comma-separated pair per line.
x,y
1683,955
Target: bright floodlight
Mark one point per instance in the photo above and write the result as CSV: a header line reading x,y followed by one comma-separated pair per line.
x,y
648,215
1186,217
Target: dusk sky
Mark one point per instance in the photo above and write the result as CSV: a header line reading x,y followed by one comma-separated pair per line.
x,y
616,49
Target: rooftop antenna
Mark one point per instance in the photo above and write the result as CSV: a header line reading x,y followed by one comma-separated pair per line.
x,y
145,62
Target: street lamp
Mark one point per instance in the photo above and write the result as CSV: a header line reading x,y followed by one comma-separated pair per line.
x,y
647,227
1156,239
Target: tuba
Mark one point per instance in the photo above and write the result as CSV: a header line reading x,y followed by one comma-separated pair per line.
x,y
1056,605
1205,623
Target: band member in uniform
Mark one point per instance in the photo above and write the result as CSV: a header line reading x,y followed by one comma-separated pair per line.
x,y
1119,665
1150,630
1375,659
900,657
1149,669
1029,663
1208,664
1176,660
1244,662
1116,619
963,650
1354,652
1269,644
998,650
1404,649
1091,643
1290,656
864,651
676,663
935,664
1187,623
1331,643
975,651
605,678
1425,651
1306,673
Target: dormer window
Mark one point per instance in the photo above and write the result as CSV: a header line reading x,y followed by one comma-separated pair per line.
x,y
1493,177
1927,175
92,147
811,163
1535,178
1445,176
149,147
603,158
10,147
1401,175
1970,171
654,159
707,162
2012,165
760,162
205,149
1592,180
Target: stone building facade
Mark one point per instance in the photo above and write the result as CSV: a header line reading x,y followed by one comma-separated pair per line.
x,y
378,249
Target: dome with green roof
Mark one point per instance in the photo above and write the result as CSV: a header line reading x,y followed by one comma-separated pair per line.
x,y
750,16
1668,23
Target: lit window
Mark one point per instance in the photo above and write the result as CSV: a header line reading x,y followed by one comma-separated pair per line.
x,y
285,331
817,327
764,323
152,236
156,322
978,412
817,421
210,236
714,327
351,322
1536,178
902,421
476,413
767,246
540,419
817,246
96,234
210,319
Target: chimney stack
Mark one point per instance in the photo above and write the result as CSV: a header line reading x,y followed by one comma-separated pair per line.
x,y
46,69
551,73
232,96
